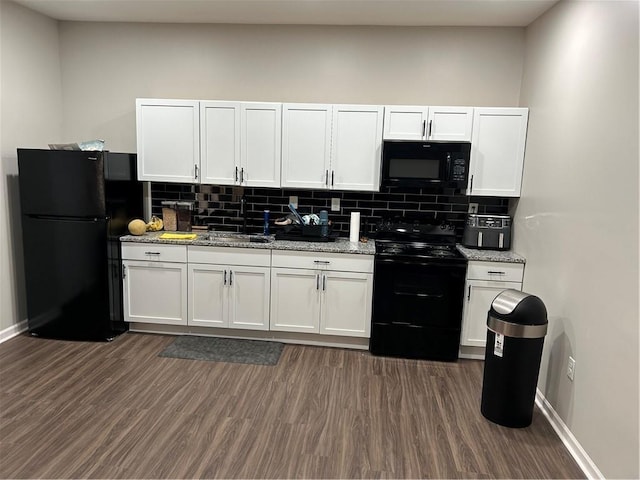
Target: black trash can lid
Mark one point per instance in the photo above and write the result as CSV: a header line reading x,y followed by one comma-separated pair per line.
x,y
518,307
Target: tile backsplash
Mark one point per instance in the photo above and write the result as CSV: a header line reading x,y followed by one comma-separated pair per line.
x,y
218,207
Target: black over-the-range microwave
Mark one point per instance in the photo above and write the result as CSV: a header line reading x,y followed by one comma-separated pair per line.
x,y
410,163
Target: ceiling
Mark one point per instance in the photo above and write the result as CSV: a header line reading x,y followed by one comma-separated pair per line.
x,y
487,13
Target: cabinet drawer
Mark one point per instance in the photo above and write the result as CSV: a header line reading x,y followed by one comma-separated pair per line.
x,y
504,272
323,261
250,257
154,252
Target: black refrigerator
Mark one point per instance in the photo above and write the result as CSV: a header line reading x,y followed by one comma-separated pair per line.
x,y
75,205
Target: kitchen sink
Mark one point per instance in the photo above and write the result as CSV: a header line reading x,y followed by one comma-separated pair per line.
x,y
234,238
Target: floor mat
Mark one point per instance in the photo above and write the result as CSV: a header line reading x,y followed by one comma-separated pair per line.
x,y
231,350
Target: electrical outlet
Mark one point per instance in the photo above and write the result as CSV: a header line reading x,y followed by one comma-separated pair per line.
x,y
571,368
335,204
293,199
473,208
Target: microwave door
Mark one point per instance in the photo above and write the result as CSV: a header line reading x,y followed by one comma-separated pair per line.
x,y
414,168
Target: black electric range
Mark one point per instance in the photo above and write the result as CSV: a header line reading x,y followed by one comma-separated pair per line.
x,y
418,291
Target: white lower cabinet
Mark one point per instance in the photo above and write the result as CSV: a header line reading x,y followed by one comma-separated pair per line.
x,y
244,288
325,299
484,282
155,290
295,300
227,295
346,304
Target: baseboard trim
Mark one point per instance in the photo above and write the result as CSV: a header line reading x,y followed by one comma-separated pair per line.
x,y
13,331
578,453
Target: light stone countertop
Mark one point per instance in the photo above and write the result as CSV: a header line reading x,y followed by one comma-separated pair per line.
x,y
491,255
227,239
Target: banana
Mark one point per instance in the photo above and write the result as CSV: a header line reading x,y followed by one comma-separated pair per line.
x,y
155,224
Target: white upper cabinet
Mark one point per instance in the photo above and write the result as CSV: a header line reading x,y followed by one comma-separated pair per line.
x,y
427,123
405,122
356,147
260,150
223,143
497,151
220,142
450,123
306,145
332,146
168,140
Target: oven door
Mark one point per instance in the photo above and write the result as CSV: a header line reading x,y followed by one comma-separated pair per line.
x,y
425,294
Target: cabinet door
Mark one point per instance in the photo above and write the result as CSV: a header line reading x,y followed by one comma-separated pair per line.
x,y
208,295
155,292
450,123
479,295
405,122
346,304
220,142
306,145
356,144
168,140
260,151
249,300
497,151
295,300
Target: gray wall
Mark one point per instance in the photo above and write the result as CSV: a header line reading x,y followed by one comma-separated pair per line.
x,y
577,219
106,66
30,116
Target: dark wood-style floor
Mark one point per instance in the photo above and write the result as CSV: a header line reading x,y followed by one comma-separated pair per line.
x,y
117,410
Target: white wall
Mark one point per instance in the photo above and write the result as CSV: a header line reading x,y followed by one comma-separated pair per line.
x,y
577,219
31,107
106,66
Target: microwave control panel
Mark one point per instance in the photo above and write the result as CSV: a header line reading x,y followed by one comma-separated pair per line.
x,y
459,170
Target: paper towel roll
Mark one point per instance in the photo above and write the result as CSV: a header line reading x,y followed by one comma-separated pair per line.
x,y
354,227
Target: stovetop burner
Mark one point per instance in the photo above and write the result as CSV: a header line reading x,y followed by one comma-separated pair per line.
x,y
417,240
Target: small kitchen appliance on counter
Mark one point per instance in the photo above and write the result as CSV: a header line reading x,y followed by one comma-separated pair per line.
x,y
418,291
491,232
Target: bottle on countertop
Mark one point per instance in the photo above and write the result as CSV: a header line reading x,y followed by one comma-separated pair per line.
x,y
265,225
324,223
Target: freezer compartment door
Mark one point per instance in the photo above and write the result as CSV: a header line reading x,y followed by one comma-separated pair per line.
x,y
61,183
66,277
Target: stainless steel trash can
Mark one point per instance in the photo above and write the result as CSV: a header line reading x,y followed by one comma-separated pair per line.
x,y
517,324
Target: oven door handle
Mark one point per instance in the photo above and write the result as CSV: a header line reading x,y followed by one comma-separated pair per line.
x,y
421,263
421,295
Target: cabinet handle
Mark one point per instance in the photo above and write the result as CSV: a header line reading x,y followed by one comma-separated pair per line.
x,y
322,262
124,272
152,253
242,175
469,293
471,186
430,123
424,128
324,283
332,173
196,171
225,278
230,277
495,272
236,173
326,177
318,281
